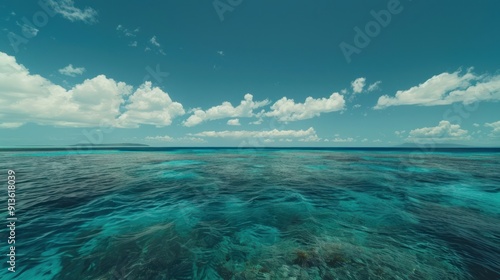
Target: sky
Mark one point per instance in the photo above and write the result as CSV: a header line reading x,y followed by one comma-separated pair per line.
x,y
249,73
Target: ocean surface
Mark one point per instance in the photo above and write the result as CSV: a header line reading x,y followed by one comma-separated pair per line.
x,y
155,213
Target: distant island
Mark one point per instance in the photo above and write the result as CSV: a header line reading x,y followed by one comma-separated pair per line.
x,y
432,145
112,145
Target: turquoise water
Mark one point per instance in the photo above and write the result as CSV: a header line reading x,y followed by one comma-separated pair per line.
x,y
255,214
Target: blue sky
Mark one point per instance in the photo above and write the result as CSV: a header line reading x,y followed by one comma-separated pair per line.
x,y
249,73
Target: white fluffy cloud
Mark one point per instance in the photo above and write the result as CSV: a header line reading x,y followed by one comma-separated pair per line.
x,y
446,88
287,110
495,126
233,122
67,9
72,71
443,131
358,85
26,97
226,110
150,106
275,133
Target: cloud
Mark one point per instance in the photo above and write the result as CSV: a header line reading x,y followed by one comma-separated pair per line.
x,y
225,110
71,71
356,106
233,122
221,53
257,122
310,138
28,29
67,9
442,132
400,132
275,133
126,32
374,86
154,41
10,124
445,89
287,110
150,105
192,140
358,85
29,97
495,126
164,138
342,140
133,44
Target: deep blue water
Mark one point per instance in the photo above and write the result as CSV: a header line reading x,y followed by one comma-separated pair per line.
x,y
142,213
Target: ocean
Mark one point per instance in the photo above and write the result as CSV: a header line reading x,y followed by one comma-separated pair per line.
x,y
219,213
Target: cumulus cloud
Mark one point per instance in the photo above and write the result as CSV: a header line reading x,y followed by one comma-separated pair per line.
x,y
67,9
275,133
233,122
495,126
29,97
150,105
287,110
225,110
445,89
221,53
358,85
72,71
442,132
